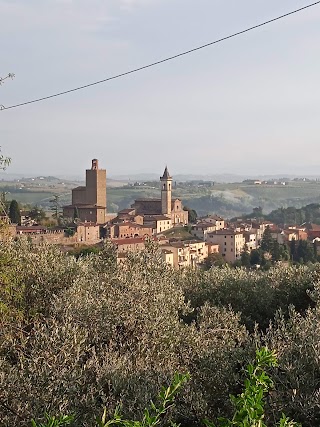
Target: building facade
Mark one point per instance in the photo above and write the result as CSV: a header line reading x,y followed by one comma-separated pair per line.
x,y
231,243
166,206
89,202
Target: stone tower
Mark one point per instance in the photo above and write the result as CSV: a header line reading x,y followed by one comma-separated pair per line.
x,y
96,188
166,188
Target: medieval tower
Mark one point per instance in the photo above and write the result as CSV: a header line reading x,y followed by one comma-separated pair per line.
x,y
89,202
96,192
166,188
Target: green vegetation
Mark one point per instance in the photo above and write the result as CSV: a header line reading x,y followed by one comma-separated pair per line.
x,y
4,161
291,215
82,334
14,212
179,233
37,213
227,200
55,206
270,250
192,215
249,405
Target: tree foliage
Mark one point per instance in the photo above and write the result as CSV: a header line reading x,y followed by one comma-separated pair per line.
x,y
192,215
14,212
81,334
38,214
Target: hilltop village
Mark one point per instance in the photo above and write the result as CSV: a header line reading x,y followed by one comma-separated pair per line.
x,y
164,220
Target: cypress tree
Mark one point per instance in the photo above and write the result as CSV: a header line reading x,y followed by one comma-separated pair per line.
x,y
267,240
293,250
14,212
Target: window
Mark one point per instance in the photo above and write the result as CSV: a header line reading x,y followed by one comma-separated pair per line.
x,y
231,250
231,237
225,249
225,243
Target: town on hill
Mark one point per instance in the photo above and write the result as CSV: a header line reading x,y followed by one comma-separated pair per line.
x,y
185,239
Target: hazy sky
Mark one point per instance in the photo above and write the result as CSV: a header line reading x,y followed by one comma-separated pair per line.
x,y
248,105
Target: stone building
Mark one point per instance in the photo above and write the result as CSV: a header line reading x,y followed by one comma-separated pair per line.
x,y
165,206
127,229
231,243
89,202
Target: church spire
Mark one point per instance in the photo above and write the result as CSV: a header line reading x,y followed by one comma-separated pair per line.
x,y
166,174
166,184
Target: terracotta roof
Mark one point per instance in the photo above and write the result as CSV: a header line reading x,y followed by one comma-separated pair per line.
x,y
216,217
30,229
176,244
148,200
192,242
156,218
131,224
203,225
128,241
84,206
226,232
314,227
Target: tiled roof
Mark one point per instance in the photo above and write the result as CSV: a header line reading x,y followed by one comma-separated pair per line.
x,y
226,232
148,200
156,218
203,225
84,206
128,241
30,229
131,224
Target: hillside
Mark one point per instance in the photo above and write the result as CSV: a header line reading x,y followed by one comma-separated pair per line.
x,y
227,200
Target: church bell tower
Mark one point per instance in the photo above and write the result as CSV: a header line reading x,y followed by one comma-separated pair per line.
x,y
166,188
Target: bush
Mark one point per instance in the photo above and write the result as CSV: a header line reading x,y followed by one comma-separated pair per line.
x,y
81,334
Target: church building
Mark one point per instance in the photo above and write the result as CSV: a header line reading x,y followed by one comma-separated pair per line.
x,y
166,207
89,202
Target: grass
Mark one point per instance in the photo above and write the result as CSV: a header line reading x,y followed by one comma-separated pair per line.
x,y
179,233
228,200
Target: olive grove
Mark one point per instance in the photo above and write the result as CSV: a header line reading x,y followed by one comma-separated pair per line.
x,y
81,334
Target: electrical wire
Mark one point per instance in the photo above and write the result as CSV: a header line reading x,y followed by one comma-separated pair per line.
x,y
170,58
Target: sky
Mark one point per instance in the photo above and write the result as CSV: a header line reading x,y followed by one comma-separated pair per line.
x,y
249,105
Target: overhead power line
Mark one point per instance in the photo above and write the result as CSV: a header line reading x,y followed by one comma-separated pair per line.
x,y
161,61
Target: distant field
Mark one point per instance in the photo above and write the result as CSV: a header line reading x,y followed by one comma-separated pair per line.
x,y
228,200
291,191
32,198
